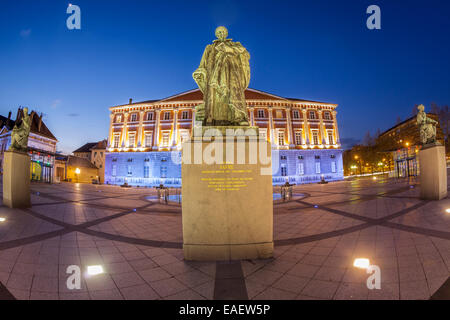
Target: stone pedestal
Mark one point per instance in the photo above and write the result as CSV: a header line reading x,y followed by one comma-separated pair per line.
x,y
433,173
227,209
16,179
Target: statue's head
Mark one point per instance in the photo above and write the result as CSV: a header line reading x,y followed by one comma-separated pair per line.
x,y
421,107
221,33
25,111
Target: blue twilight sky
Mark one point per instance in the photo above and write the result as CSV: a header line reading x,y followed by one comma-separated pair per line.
x,y
142,49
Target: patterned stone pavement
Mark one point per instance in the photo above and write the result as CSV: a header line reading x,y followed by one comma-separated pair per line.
x,y
138,242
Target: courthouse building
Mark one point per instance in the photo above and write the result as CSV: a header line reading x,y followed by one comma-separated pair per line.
x,y
145,138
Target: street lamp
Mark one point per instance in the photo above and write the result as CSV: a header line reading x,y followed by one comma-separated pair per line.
x,y
77,172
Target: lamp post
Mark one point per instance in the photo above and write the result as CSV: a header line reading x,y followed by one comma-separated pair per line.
x,y
359,162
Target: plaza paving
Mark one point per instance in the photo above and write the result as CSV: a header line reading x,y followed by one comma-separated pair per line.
x,y
139,244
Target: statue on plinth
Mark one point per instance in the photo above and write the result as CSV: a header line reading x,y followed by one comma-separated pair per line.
x,y
21,131
223,76
427,126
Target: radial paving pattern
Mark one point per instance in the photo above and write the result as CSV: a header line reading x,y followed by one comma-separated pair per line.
x,y
138,243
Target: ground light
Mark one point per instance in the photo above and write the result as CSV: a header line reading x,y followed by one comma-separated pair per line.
x,y
94,270
374,178
2,219
447,210
361,263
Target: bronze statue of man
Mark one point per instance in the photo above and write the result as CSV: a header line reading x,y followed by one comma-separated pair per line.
x,y
21,131
223,76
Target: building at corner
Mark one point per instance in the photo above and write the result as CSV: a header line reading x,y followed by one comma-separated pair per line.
x,y
95,152
144,142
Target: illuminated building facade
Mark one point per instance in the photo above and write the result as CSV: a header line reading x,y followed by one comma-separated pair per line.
x,y
145,138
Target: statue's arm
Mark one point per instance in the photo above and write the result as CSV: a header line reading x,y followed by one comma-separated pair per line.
x,y
200,75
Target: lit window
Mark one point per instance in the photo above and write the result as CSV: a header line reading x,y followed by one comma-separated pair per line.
x,y
146,171
298,138
134,117
317,167
184,135
149,116
326,115
330,137
312,115
119,118
116,141
281,138
301,169
163,172
260,113
185,115
131,139
165,138
279,114
296,114
166,115
148,139
333,166
114,170
315,137
283,170
263,134
130,170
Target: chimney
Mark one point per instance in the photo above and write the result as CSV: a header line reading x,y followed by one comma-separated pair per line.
x,y
9,116
131,100
40,123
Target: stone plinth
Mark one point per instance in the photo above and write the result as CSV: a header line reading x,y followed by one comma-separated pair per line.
x,y
433,173
16,179
227,209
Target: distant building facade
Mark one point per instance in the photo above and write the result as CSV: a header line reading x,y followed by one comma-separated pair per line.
x,y
95,152
402,145
146,137
41,146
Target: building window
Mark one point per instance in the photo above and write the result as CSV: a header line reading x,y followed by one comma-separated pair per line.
x,y
283,157
326,115
317,167
260,113
131,139
148,139
263,134
114,160
166,115
130,170
130,160
279,114
315,137
296,114
317,157
281,138
165,138
298,138
301,168
185,115
330,137
333,166
332,156
116,141
300,157
283,171
134,117
101,154
312,115
119,118
184,135
163,172
114,170
146,172
149,116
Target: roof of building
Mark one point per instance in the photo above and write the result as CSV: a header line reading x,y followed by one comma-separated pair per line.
x,y
41,129
197,95
403,122
92,146
79,162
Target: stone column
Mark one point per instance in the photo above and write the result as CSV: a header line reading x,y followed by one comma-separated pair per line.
x,y
291,141
175,128
111,124
125,130
156,129
252,116
336,131
271,127
306,140
323,138
141,129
